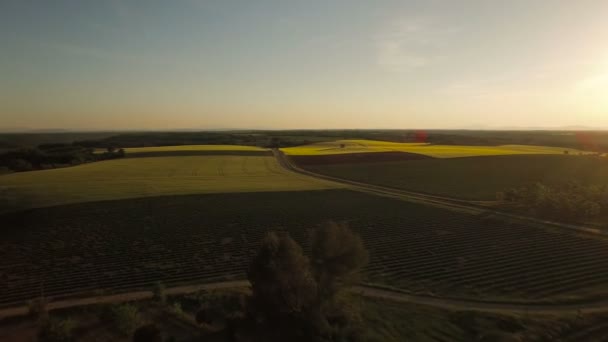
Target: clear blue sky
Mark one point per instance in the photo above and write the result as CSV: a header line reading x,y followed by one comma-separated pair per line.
x,y
302,64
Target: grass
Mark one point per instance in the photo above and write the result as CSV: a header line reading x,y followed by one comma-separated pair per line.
x,y
193,148
141,177
388,321
437,151
381,321
473,178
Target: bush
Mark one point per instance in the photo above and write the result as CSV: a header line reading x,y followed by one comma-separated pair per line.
x,y
57,330
125,318
218,307
568,202
20,165
159,293
210,316
147,333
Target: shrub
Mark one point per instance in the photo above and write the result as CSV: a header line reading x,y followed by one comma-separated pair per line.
x,y
147,333
569,202
20,165
125,318
57,330
210,315
159,293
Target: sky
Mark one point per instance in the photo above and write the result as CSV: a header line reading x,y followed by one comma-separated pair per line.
x,y
283,64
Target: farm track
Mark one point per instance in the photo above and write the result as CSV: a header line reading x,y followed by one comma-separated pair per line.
x,y
437,255
476,207
369,291
406,256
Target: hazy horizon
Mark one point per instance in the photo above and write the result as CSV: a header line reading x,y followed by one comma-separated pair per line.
x,y
203,65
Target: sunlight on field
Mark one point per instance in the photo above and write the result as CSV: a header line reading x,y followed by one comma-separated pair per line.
x,y
437,151
194,148
130,178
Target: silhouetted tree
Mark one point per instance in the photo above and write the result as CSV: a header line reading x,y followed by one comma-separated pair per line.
x,y
283,291
337,256
20,165
303,300
281,279
275,142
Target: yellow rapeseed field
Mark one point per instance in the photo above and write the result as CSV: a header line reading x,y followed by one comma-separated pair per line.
x,y
437,151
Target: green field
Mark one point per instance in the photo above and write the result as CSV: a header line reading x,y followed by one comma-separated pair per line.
x,y
130,178
437,151
477,178
193,148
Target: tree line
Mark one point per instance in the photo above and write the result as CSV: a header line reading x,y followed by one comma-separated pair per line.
x,y
570,202
48,156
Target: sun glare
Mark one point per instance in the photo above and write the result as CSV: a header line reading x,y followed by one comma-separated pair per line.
x,y
594,89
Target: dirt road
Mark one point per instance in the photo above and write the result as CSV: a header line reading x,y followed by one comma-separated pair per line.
x,y
363,290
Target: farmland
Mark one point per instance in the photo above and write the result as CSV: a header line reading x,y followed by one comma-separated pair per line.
x,y
475,178
194,148
128,244
141,177
196,213
436,151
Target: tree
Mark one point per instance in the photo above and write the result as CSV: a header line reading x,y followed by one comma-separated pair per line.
x,y
281,279
275,142
20,165
148,333
304,300
337,255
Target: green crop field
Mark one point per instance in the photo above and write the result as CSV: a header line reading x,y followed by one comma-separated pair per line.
x,y
194,148
477,178
437,151
140,177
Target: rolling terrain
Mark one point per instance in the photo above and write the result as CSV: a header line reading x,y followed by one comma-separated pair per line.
x,y
65,250
431,150
142,177
198,219
471,178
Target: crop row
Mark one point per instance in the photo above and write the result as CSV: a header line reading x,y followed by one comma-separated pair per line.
x,y
132,244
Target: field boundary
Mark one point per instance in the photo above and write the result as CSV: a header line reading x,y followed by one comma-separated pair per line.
x,y
473,207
